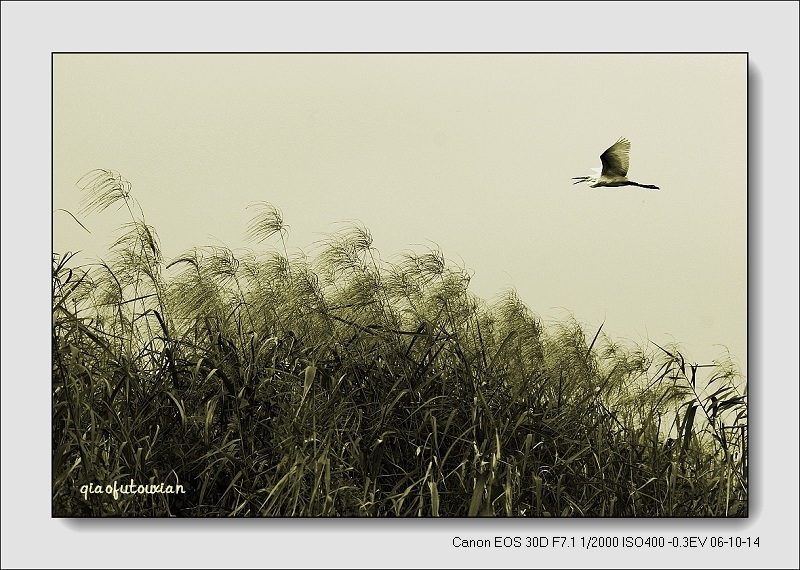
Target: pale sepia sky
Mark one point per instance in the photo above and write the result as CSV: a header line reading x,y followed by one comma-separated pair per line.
x,y
473,152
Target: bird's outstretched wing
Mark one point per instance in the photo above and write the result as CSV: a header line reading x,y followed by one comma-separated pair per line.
x,y
615,158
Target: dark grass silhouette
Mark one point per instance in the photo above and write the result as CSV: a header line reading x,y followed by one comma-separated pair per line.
x,y
349,386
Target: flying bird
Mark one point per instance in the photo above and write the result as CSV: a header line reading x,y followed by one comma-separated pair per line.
x,y
615,168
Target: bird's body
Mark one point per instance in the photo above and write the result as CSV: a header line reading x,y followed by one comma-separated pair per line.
x,y
615,168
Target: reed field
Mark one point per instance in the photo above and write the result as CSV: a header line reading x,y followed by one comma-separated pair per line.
x,y
340,384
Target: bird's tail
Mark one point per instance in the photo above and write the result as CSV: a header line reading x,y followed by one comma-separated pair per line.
x,y
648,186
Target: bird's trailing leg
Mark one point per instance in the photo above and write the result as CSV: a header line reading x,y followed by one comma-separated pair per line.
x,y
579,179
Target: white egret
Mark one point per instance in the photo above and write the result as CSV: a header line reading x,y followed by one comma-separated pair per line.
x,y
615,168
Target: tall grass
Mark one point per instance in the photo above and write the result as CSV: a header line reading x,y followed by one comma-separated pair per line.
x,y
351,386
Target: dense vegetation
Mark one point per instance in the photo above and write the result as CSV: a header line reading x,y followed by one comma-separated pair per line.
x,y
349,386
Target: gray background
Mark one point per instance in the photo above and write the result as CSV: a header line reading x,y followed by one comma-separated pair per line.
x,y
31,31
